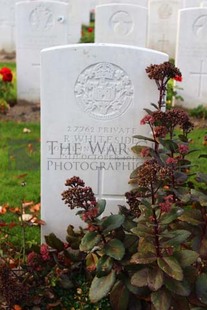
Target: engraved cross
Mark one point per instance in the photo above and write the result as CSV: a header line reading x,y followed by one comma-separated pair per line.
x,y
163,41
200,74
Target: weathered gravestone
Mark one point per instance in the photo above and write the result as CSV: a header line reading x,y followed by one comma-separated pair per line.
x,y
7,40
191,56
92,98
39,24
192,3
90,5
120,23
162,30
143,3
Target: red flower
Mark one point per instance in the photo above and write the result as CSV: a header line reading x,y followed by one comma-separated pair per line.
x,y
147,119
178,78
90,29
5,70
44,252
6,74
183,149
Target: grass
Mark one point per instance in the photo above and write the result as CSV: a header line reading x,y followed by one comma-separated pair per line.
x,y
197,139
20,170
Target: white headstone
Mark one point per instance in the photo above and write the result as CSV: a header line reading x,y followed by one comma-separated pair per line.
x,y
7,40
90,5
163,17
39,24
191,56
122,24
91,108
191,3
143,3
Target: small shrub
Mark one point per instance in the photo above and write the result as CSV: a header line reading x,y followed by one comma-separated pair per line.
x,y
87,33
199,112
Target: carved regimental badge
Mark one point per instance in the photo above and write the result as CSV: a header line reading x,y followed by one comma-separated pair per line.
x,y
104,91
41,18
200,26
122,23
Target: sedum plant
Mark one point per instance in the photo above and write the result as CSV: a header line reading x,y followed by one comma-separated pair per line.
x,y
153,254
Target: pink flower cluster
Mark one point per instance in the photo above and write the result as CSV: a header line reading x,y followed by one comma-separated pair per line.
x,y
167,204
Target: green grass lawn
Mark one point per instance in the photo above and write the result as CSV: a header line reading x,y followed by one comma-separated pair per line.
x,y
19,171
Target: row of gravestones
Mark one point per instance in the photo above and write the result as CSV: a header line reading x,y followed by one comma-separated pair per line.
x,y
43,24
162,20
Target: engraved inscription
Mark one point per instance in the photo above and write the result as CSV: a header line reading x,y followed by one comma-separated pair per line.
x,y
41,18
200,26
121,23
165,11
104,91
200,75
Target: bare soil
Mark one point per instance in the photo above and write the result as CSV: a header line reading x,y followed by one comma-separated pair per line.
x,y
23,111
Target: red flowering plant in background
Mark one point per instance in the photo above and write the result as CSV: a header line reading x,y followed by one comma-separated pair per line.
x,y
6,77
88,33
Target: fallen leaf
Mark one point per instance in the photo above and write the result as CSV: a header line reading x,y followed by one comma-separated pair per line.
x,y
35,208
27,204
21,176
30,148
26,130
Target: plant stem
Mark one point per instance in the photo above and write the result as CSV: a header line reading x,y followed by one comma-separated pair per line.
x,y
155,226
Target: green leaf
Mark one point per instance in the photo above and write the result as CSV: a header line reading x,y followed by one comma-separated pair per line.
x,y
142,231
101,206
180,177
91,261
65,282
143,258
100,287
171,267
183,138
201,177
119,296
137,149
54,242
199,196
140,137
104,266
161,299
90,239
181,288
169,145
176,237
115,249
168,218
112,222
139,278
186,257
202,156
192,216
155,279
130,243
201,288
